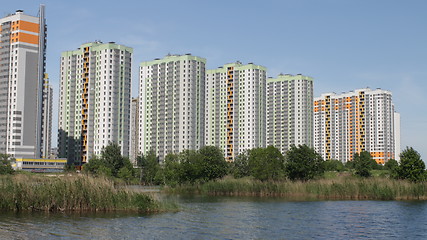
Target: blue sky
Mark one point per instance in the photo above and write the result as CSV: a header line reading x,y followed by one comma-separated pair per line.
x,y
342,44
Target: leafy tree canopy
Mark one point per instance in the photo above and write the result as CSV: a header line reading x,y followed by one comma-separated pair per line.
x,y
240,165
213,163
363,164
150,167
266,163
303,163
411,166
110,163
391,165
5,167
333,165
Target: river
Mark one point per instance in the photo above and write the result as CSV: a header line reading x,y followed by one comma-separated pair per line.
x,y
232,218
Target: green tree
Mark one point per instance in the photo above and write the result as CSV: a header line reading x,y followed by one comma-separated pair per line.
x,y
240,165
411,166
112,158
97,167
375,165
191,165
213,163
5,167
172,171
266,163
110,163
349,165
303,163
363,164
150,167
333,165
125,173
391,165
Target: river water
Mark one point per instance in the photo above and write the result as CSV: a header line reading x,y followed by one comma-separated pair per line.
x,y
232,218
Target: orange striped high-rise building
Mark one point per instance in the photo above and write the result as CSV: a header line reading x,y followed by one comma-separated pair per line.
x,y
349,123
22,78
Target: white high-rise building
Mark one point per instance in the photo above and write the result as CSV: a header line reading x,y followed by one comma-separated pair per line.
x,y
22,69
397,136
46,119
289,111
172,104
349,123
134,130
235,108
94,107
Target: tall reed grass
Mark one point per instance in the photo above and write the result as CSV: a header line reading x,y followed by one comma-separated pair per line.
x,y
69,193
339,188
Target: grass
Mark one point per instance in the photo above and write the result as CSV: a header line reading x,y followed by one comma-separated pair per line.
x,y
339,187
23,192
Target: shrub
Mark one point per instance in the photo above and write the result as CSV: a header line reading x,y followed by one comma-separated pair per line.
x,y
303,163
411,166
266,163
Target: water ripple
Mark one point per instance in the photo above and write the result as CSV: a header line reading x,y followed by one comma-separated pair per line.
x,y
233,218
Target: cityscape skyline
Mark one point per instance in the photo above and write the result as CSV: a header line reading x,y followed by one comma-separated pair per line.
x,y
365,57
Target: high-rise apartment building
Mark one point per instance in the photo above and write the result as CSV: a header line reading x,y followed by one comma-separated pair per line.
x,y
22,69
361,120
172,104
134,130
289,111
94,107
46,119
397,136
235,108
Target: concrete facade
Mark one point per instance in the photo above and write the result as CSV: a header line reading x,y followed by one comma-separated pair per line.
x,y
235,108
348,123
172,104
289,111
22,70
94,107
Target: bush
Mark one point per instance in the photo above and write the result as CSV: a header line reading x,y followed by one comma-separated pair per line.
x,y
411,166
214,165
172,170
333,165
5,167
240,166
110,163
266,163
391,165
149,168
303,163
363,164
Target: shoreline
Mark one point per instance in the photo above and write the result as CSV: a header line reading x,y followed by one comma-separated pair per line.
x,y
75,193
339,188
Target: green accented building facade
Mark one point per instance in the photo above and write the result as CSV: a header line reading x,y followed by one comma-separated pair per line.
x,y
235,108
94,107
172,104
289,111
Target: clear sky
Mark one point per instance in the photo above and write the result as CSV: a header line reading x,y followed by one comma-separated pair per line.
x,y
342,44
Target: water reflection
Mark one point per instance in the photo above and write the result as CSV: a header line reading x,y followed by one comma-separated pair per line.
x,y
232,218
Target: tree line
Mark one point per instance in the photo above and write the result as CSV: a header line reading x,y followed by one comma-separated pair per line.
x,y
264,164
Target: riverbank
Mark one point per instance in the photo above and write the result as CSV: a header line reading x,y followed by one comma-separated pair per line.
x,y
338,188
24,192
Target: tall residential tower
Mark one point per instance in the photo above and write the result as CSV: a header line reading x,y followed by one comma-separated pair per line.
x,y
94,107
22,70
172,104
46,119
235,108
289,111
134,130
361,120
